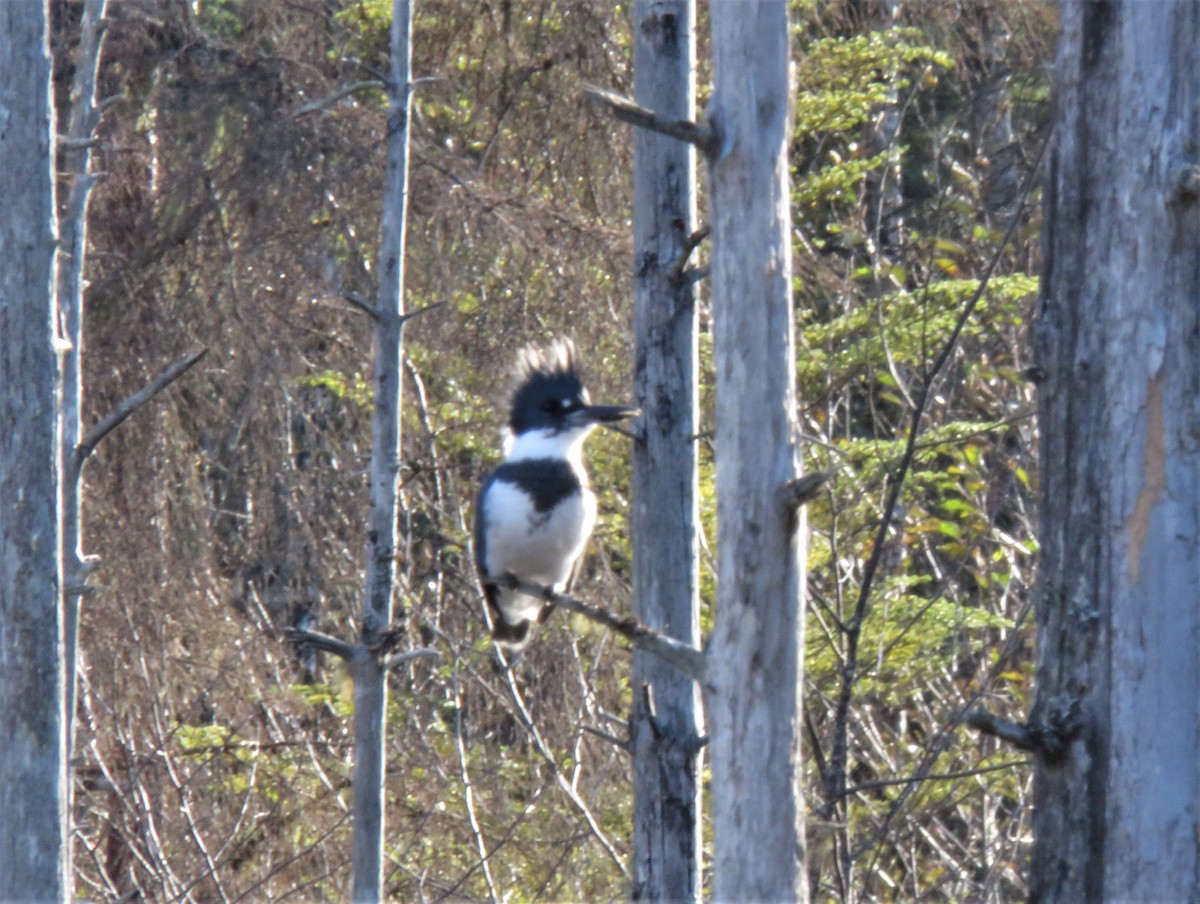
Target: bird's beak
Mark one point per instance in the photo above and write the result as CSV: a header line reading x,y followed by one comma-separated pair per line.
x,y
604,414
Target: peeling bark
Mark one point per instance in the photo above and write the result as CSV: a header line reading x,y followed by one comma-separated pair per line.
x,y
1117,338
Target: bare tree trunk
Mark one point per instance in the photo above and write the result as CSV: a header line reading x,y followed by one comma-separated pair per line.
x,y
756,651
367,667
1118,787
75,164
33,751
666,724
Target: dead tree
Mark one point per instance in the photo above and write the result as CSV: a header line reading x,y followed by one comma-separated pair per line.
x,y
666,722
752,671
1115,722
756,666
34,785
372,657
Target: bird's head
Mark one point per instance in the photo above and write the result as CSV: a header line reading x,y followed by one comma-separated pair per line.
x,y
549,395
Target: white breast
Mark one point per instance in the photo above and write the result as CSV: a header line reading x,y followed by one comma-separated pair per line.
x,y
536,546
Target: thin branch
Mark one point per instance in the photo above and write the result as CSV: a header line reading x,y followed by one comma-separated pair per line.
x,y
682,656
132,403
464,775
66,143
411,315
794,493
606,736
936,746
837,774
400,658
559,778
701,135
1018,735
934,776
690,244
322,642
362,304
321,103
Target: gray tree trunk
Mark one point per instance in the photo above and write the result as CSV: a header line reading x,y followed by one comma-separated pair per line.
x,y
756,651
1117,811
369,673
73,235
666,723
33,746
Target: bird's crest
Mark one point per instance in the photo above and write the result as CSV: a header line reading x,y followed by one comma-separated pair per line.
x,y
541,364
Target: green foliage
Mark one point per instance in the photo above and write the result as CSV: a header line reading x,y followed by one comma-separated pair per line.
x,y
842,80
352,387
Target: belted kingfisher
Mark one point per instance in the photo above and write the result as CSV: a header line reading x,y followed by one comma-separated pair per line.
x,y
536,511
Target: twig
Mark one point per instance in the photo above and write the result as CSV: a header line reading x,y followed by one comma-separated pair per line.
x,y
321,103
606,736
1018,735
559,778
362,304
412,315
1048,733
933,776
835,790
701,135
682,656
66,143
322,642
399,659
690,244
469,792
132,403
794,493
372,311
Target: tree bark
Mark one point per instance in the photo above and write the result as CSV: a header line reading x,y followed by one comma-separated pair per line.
x,y
76,164
1117,799
756,651
666,723
33,753
367,666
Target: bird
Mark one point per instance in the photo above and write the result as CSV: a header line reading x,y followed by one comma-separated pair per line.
x,y
535,512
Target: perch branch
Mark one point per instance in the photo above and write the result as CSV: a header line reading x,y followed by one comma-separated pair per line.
x,y
681,656
701,135
132,403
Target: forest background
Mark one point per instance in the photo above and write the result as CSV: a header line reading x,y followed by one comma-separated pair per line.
x,y
239,207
